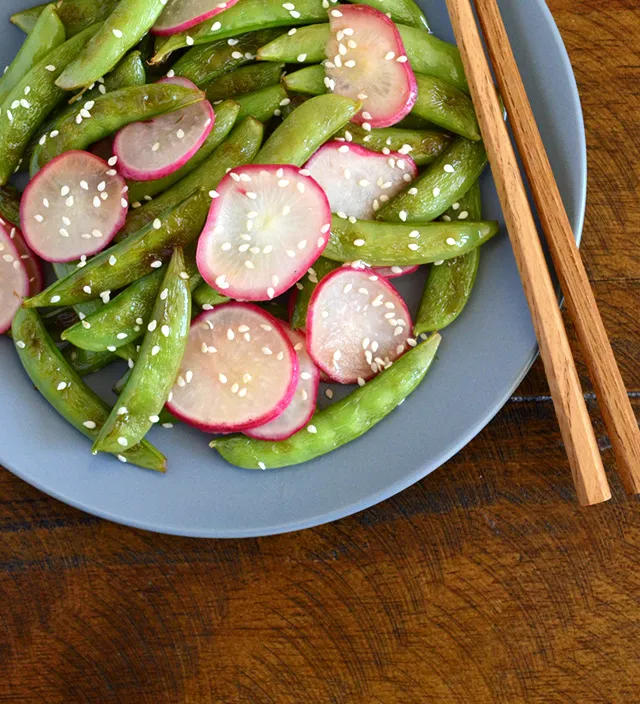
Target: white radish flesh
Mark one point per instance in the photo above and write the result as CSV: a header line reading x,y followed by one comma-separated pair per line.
x,y
179,15
239,370
14,280
357,325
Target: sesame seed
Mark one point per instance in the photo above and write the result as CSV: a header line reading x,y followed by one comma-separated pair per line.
x,y
463,215
222,378
61,386
123,441
403,215
154,419
451,241
165,330
312,429
189,41
359,243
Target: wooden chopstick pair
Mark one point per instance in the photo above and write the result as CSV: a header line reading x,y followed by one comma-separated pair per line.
x,y
577,432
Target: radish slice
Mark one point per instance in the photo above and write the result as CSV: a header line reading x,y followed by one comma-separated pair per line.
x,y
74,206
266,228
179,15
14,280
297,414
357,325
155,148
29,260
358,181
369,64
239,370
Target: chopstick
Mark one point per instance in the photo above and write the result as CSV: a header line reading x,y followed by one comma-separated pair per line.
x,y
612,397
575,425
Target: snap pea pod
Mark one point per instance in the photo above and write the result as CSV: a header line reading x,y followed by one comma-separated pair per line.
x,y
131,259
76,15
246,16
262,104
402,11
47,34
306,129
108,114
204,295
226,117
129,21
10,205
204,64
246,79
154,374
444,182
21,115
239,148
129,72
306,45
64,389
448,286
308,81
446,106
394,244
307,285
340,423
425,145
85,362
123,320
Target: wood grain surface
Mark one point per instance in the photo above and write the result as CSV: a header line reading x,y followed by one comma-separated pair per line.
x,y
485,582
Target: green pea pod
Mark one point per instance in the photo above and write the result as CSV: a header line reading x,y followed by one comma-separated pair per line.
x,y
47,34
205,296
308,81
423,146
226,117
262,104
401,11
239,148
306,45
246,79
340,423
246,16
85,362
10,205
123,320
305,288
306,129
395,244
446,106
449,284
129,72
127,261
204,64
154,374
129,21
440,185
65,390
108,114
76,15
21,115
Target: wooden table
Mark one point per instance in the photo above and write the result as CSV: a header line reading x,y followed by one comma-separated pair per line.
x,y
483,583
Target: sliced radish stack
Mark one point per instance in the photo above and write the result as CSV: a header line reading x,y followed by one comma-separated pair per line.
x,y
14,280
267,226
357,325
179,15
155,148
367,62
74,206
239,370
297,414
29,260
358,181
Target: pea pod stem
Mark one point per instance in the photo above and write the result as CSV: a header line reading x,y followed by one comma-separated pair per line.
x,y
63,388
340,423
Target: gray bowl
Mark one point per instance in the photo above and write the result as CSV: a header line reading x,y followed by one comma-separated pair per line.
x,y
483,357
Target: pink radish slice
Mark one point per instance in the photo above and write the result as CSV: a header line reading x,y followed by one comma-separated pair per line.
x,y
357,325
74,206
14,280
266,228
156,148
367,62
239,370
358,181
393,272
179,15
297,414
30,261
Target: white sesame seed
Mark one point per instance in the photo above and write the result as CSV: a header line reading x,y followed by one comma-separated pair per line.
x,y
312,429
61,386
463,215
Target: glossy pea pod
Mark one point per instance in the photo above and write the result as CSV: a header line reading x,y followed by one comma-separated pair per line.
x,y
129,21
340,423
450,282
443,183
308,81
226,117
107,114
127,261
63,388
395,244
206,297
263,104
76,15
48,33
306,129
22,114
447,107
305,288
246,79
154,374
240,147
